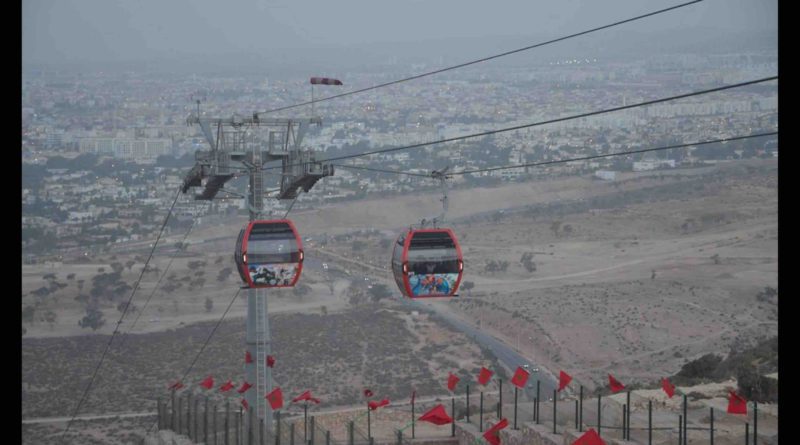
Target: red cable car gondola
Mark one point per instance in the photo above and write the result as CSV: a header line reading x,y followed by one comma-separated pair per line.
x,y
427,263
269,253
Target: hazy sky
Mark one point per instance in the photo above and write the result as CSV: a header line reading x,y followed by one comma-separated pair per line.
x,y
123,30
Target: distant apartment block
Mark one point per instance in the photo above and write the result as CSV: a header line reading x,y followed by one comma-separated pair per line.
x,y
641,166
606,175
133,149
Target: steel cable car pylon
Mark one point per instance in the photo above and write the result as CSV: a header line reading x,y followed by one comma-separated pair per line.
x,y
267,250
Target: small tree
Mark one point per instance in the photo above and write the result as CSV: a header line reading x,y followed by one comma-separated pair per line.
x,y
224,274
324,310
209,304
555,226
93,319
468,286
28,314
50,318
380,291
301,290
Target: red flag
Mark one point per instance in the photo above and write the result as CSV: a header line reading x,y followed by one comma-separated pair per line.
x,y
270,361
373,405
208,383
452,380
305,396
616,386
413,396
589,438
563,380
668,387
325,81
367,392
484,376
520,378
248,358
245,404
491,434
245,386
226,387
437,416
176,386
736,404
275,398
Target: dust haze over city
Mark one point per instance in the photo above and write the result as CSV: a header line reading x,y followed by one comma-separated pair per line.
x,y
588,221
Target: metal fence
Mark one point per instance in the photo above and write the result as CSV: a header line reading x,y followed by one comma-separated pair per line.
x,y
637,419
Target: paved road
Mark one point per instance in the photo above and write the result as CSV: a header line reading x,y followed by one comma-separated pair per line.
x,y
87,417
505,354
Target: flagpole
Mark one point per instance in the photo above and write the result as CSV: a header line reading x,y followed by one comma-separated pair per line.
x,y
412,419
481,414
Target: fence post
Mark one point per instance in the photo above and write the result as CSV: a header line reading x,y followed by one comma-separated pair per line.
x,y
158,411
650,423
350,438
467,403
628,418
305,423
599,417
196,410
580,411
500,403
399,437
261,431
685,420
624,419
173,413
535,404
328,437
369,423
189,415
250,425
199,419
538,399
214,423
205,422
755,423
453,414
291,434
179,416
515,407
239,427
413,431
747,434
278,427
312,431
711,429
555,401
680,428
480,415
576,414
227,421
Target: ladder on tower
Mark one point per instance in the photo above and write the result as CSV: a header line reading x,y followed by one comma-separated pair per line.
x,y
262,350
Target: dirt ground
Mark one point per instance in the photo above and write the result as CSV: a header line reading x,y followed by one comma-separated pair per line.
x,y
655,269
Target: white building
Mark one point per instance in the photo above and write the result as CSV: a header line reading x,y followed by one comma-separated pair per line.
x,y
135,149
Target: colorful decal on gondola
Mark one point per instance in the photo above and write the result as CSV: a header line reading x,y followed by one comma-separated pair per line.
x,y
432,284
272,274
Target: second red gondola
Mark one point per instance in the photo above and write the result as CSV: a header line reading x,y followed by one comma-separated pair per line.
x,y
427,263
